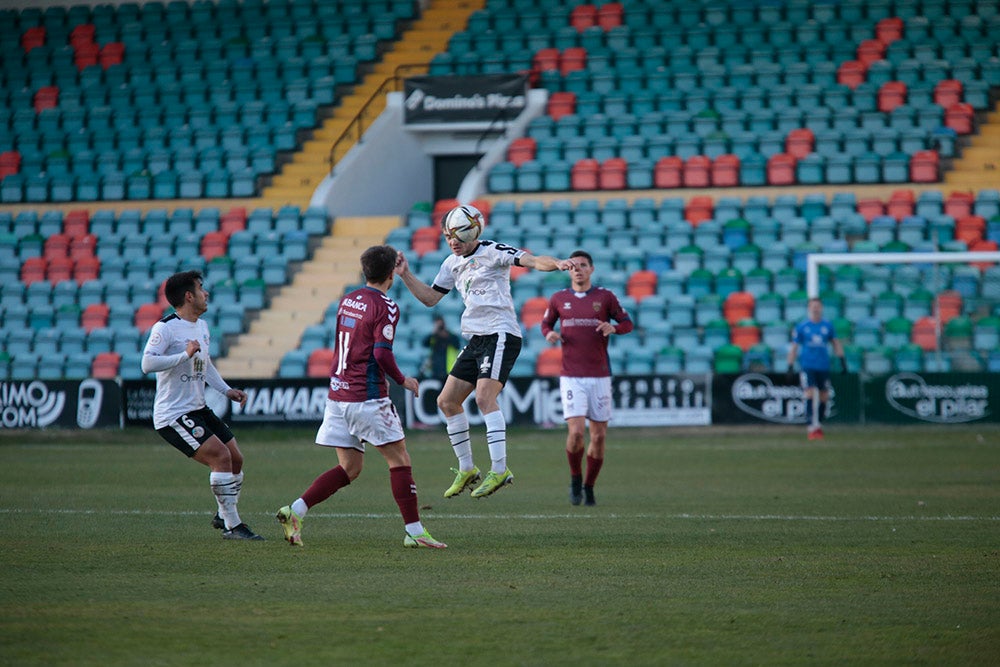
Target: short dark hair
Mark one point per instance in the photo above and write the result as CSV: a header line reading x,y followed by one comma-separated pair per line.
x,y
179,284
584,254
378,263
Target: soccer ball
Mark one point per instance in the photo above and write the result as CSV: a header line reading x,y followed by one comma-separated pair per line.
x,y
464,223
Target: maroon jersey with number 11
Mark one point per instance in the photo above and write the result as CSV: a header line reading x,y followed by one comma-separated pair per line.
x,y
366,321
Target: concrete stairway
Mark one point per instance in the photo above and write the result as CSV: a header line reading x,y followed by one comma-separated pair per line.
x,y
979,166
427,36
321,281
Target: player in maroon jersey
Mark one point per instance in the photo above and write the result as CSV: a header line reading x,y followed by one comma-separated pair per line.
x,y
585,313
358,408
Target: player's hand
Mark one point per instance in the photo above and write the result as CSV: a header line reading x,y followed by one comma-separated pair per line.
x,y
413,384
605,328
565,264
843,366
553,337
402,266
193,347
237,396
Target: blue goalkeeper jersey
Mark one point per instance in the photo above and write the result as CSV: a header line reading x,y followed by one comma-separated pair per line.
x,y
813,339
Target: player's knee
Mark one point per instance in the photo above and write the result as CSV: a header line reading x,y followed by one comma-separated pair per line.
x,y
353,470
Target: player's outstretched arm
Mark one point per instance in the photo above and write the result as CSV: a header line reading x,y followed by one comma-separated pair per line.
x,y
544,262
424,293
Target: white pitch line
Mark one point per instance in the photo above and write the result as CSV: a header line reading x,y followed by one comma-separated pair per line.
x,y
528,517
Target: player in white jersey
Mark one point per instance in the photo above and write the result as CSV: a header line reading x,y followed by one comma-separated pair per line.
x,y
480,271
177,351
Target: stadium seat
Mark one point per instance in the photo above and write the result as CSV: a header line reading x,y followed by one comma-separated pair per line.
x,y
549,362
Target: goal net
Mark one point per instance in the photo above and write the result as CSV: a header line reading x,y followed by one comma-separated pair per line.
x,y
912,311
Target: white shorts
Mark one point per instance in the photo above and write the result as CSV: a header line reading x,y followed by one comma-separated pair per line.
x,y
586,397
351,425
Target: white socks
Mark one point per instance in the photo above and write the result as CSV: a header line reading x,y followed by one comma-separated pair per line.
x,y
496,439
226,487
300,508
458,434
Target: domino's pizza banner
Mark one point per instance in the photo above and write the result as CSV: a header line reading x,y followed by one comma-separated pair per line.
x,y
464,99
83,404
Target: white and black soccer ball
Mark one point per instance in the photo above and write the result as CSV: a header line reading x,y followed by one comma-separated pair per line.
x,y
464,223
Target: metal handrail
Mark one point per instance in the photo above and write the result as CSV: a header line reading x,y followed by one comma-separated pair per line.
x,y
391,82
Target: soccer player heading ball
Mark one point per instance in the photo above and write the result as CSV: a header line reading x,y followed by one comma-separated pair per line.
x,y
480,271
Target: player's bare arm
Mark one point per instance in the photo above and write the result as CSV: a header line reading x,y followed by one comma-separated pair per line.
x,y
424,293
544,262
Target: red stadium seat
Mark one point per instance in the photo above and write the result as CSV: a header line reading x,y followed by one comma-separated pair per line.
x,y
612,175
46,97
584,174
959,204
213,245
545,60
924,167
83,246
549,362
111,53
572,59
891,95
699,209
521,150
320,362
610,15
970,229
851,73
947,92
10,163
901,204
59,269
744,334
697,172
425,240
583,17
799,142
82,34
667,172
56,245
726,171
533,310
738,306
86,268
924,333
147,315
888,30
105,365
870,208
76,223
781,169
960,117
948,304
869,51
33,270
561,103
94,316
33,37
641,284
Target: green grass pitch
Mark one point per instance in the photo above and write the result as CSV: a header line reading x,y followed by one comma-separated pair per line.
x,y
714,546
